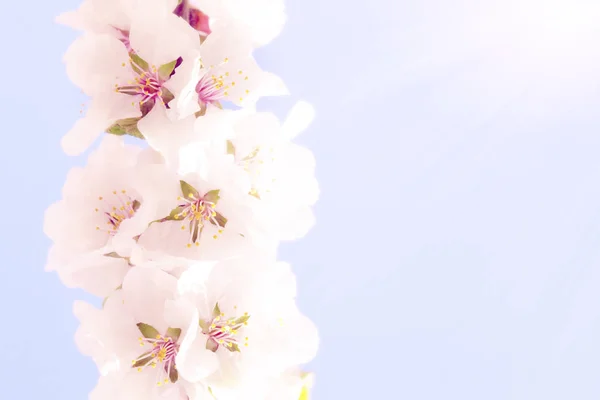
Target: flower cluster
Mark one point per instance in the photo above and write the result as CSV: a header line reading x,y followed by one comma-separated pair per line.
x,y
178,233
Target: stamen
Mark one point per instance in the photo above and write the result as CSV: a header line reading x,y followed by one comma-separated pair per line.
x,y
224,332
116,208
164,351
198,212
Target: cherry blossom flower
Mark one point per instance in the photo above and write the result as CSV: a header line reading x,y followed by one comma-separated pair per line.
x,y
113,17
124,85
249,319
200,213
97,200
224,72
180,237
282,173
136,339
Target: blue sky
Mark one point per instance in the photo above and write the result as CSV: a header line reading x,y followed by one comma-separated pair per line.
x,y
456,252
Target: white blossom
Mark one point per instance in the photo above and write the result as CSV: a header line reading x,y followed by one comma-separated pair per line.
x,y
248,317
135,339
179,236
125,84
97,200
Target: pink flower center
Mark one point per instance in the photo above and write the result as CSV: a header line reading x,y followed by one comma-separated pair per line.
x,y
211,89
198,211
224,332
164,352
222,82
116,208
146,85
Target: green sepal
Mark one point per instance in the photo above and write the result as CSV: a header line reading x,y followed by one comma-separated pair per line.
x,y
165,70
145,358
221,220
138,64
188,190
176,214
205,326
196,230
233,348
242,319
254,194
167,95
112,254
252,154
148,331
211,392
216,311
116,129
230,148
213,196
127,126
174,333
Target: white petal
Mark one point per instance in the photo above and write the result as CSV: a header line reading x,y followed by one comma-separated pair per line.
x,y
299,119
194,362
161,38
96,62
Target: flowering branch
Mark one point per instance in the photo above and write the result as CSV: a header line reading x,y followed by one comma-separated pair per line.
x,y
178,232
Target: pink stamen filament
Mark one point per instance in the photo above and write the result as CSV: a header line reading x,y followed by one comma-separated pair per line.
x,y
211,88
117,209
164,351
198,212
147,85
224,332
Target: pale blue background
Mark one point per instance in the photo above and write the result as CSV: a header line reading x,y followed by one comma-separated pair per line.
x,y
457,251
